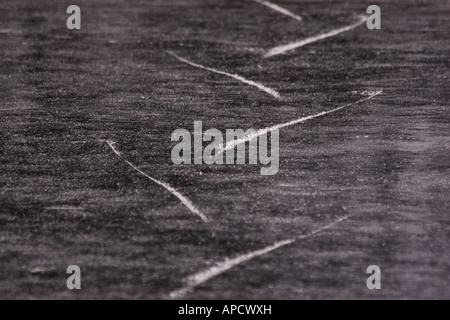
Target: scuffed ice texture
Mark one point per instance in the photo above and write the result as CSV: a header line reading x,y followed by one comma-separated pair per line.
x,y
66,198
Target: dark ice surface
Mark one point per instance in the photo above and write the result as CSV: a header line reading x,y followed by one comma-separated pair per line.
x,y
66,198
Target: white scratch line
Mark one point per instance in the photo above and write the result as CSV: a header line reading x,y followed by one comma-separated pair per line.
x,y
276,7
294,45
260,86
64,208
185,201
204,276
260,132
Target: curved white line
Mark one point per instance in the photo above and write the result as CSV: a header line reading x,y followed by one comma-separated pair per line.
x,y
260,86
204,276
294,45
260,132
185,201
276,7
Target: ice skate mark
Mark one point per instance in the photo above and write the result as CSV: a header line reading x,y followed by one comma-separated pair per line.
x,y
260,86
260,132
282,10
218,269
297,44
64,208
185,201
